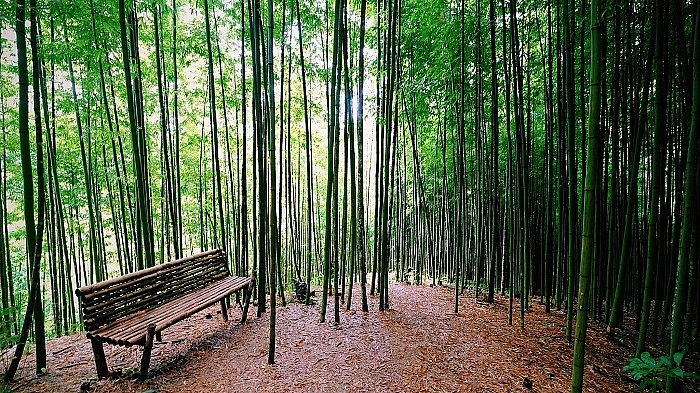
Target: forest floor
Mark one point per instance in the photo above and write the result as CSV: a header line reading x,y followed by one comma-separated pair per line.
x,y
419,345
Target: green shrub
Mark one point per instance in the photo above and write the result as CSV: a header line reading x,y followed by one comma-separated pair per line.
x,y
7,339
652,373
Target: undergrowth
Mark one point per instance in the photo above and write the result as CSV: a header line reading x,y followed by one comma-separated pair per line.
x,y
652,372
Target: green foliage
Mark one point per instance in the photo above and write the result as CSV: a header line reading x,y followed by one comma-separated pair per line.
x,y
652,373
7,339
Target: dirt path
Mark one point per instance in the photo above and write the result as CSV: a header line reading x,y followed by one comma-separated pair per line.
x,y
419,345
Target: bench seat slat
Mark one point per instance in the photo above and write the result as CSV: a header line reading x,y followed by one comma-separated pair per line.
x,y
117,332
166,316
132,330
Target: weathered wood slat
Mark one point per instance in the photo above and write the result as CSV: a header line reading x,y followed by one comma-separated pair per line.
x,y
126,332
166,315
130,309
126,312
131,276
174,270
148,291
163,289
98,314
144,283
125,286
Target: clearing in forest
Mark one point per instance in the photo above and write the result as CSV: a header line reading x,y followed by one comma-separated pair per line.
x,y
419,345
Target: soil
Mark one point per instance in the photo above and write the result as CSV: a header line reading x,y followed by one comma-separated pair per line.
x,y
419,345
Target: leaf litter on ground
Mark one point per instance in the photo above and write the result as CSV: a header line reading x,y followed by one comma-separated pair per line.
x,y
418,345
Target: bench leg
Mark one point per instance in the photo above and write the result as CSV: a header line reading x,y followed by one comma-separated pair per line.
x,y
100,360
146,359
224,311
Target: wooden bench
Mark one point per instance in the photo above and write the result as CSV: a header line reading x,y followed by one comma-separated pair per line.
x,y
133,308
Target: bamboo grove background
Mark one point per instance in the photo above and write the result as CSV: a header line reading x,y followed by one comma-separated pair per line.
x,y
503,146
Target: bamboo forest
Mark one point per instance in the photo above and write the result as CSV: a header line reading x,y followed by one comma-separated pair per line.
x,y
389,195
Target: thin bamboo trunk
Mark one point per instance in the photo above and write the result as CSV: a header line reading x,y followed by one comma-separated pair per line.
x,y
590,226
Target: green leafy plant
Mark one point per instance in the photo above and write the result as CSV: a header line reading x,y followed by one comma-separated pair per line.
x,y
652,373
7,339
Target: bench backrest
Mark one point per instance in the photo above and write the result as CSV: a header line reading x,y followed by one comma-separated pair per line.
x,y
108,301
